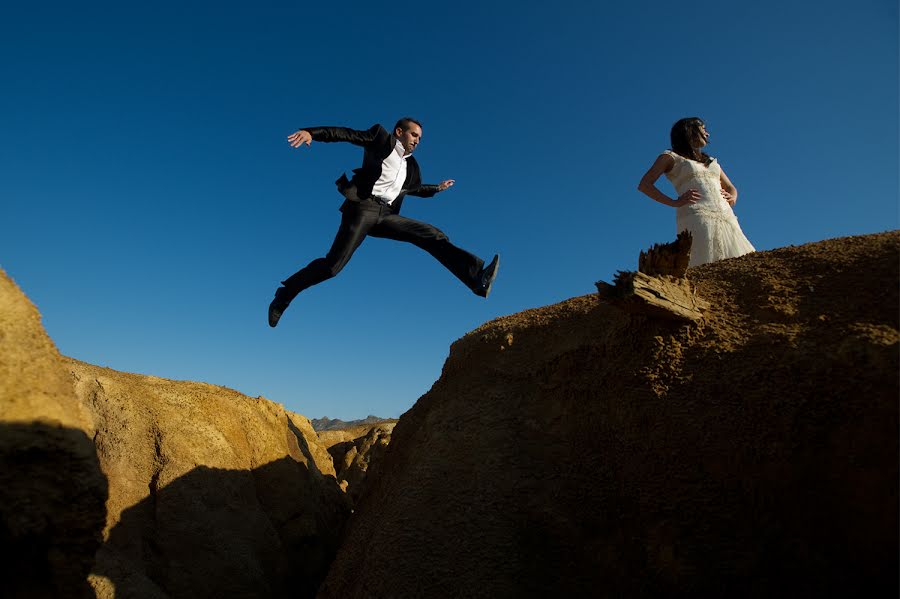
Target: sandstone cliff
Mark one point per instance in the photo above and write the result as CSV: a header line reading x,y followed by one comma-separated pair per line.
x,y
573,450
51,488
158,488
212,493
567,450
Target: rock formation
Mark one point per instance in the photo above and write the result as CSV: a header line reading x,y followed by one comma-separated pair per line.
x,y
577,450
353,450
212,493
569,450
51,488
158,488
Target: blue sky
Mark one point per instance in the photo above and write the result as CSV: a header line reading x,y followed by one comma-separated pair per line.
x,y
151,203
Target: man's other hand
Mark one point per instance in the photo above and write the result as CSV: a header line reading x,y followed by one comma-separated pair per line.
x,y
299,138
446,184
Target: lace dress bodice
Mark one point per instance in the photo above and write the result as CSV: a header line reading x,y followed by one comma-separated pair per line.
x,y
689,174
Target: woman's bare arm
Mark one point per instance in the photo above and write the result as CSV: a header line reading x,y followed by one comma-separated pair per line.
x,y
729,191
647,185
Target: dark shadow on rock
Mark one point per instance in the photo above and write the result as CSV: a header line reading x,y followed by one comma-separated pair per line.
x,y
52,510
303,445
777,480
339,450
267,533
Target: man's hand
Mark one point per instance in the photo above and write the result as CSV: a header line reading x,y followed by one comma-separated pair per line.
x,y
443,185
299,138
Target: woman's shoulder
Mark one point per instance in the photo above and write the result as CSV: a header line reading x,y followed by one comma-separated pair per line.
x,y
667,157
672,155
670,159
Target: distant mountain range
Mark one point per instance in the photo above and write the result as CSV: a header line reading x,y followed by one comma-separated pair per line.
x,y
327,424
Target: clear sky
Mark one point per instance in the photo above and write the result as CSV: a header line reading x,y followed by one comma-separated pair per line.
x,y
151,203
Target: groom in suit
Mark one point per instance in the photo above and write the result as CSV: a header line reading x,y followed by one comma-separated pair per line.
x,y
372,208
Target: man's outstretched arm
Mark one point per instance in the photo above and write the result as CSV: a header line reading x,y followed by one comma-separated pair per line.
x,y
334,134
426,191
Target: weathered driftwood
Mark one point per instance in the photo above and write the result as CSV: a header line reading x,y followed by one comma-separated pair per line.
x,y
662,296
667,258
659,288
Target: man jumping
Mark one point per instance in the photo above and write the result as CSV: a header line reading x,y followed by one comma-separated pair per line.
x,y
372,207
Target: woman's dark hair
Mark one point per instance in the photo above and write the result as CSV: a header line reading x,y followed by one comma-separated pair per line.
x,y
683,132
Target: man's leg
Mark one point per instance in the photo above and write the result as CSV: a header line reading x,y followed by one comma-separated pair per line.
x,y
467,267
356,220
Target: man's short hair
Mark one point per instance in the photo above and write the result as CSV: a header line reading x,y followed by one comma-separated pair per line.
x,y
404,123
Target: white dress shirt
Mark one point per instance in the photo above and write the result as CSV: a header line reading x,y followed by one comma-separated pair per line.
x,y
393,174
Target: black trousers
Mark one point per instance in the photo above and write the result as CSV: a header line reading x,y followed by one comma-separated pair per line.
x,y
370,218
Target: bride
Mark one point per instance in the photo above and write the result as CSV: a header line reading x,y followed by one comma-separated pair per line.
x,y
705,194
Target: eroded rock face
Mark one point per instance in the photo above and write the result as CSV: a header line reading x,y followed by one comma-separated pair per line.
x,y
52,491
573,450
211,493
353,450
158,488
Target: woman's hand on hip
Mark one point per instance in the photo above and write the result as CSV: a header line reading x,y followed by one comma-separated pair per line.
x,y
691,196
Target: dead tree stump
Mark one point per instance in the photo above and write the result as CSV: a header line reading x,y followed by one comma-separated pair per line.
x,y
667,258
659,288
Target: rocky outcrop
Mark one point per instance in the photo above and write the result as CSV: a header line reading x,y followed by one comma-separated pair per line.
x,y
211,493
52,491
576,450
353,450
124,485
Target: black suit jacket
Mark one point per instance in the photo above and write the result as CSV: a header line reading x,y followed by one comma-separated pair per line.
x,y
377,145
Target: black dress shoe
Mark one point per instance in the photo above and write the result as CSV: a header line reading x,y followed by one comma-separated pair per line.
x,y
277,307
487,276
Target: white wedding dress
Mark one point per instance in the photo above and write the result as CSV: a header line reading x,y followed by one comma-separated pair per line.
x,y
714,227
